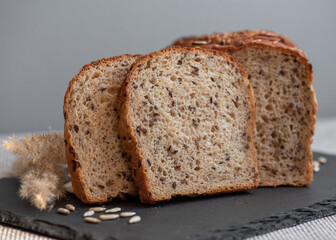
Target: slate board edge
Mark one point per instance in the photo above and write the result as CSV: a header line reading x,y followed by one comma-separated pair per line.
x,y
269,224
283,220
43,227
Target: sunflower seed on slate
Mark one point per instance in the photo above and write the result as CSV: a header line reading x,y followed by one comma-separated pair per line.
x,y
113,210
92,220
316,166
135,219
97,209
127,214
322,160
70,207
109,216
63,211
88,213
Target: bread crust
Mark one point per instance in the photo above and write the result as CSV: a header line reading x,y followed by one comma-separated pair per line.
x,y
237,41
129,139
77,179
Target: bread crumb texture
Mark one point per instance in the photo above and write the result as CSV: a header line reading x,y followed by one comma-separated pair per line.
x,y
285,114
282,81
188,118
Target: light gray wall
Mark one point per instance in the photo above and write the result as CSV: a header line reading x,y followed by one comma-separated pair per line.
x,y
44,43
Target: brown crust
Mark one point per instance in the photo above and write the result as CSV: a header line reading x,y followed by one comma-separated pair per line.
x,y
77,179
127,133
236,41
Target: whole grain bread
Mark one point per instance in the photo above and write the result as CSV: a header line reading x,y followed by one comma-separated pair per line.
x,y
97,164
282,79
187,119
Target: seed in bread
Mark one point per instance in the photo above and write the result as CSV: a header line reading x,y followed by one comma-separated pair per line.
x,y
187,119
97,163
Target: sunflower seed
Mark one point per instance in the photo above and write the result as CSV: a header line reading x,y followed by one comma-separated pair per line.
x,y
322,160
315,163
92,220
63,211
316,166
135,219
70,207
68,187
127,214
97,209
88,213
109,216
199,42
113,210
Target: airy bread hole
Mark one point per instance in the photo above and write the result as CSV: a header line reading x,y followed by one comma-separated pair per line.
x,y
265,118
96,75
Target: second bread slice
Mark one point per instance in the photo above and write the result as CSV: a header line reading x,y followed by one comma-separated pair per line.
x,y
187,119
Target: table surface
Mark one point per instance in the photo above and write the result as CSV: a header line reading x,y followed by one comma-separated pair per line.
x,y
324,228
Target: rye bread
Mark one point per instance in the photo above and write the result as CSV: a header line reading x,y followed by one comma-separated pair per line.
x,y
282,78
187,120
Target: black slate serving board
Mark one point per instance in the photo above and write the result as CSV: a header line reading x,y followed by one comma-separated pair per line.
x,y
229,216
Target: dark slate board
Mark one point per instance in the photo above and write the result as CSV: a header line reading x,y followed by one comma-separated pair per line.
x,y
229,216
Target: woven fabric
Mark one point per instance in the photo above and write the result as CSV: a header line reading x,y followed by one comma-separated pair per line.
x,y
320,229
8,233
324,228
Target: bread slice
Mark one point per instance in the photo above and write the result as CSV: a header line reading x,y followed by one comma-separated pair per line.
x,y
97,164
282,79
187,119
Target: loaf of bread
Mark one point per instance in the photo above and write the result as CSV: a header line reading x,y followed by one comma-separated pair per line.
x,y
282,79
187,119
97,164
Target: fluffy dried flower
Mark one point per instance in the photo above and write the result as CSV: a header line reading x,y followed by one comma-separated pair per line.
x,y
40,165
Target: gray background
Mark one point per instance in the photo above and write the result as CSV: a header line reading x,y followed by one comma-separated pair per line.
x,y
43,43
